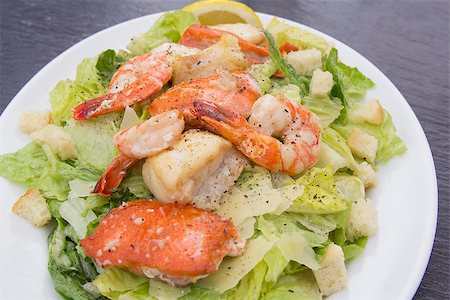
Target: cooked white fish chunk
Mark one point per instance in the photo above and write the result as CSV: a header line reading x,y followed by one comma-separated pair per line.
x,y
198,159
247,32
226,55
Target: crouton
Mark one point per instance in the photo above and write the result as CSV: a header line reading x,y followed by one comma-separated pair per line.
x,y
331,277
321,83
367,174
32,206
57,139
363,220
371,112
305,61
363,145
31,121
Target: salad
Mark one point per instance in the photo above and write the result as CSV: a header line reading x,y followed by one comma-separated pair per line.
x,y
227,161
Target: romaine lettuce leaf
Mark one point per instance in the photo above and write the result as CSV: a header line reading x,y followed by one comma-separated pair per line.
x,y
355,83
289,91
299,37
114,282
68,93
325,108
333,139
168,28
291,75
320,195
389,143
262,74
301,285
38,167
93,140
108,62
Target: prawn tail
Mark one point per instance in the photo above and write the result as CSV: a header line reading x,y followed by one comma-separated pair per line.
x,y
113,176
94,107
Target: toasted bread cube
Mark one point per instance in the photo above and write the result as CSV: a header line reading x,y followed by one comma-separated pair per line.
x,y
331,277
32,206
31,121
363,145
371,112
305,61
57,139
367,174
363,220
321,83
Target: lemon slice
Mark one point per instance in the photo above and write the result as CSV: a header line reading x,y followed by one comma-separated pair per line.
x,y
214,12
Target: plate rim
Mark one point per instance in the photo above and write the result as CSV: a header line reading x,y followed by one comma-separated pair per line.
x,y
415,278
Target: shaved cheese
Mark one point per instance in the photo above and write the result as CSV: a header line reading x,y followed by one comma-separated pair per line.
x,y
294,247
130,119
239,205
233,269
289,194
164,291
247,228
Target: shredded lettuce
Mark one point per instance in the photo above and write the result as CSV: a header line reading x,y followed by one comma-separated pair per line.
x,y
299,37
168,28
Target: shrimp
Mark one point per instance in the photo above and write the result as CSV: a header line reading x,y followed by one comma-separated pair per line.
x,y
175,243
139,78
297,128
237,90
202,37
143,140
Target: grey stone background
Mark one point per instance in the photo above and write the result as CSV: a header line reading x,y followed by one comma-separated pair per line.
x,y
408,40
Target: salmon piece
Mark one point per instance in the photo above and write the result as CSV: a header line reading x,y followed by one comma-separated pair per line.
x,y
202,37
237,91
175,243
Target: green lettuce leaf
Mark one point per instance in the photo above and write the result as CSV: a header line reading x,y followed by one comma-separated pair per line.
x,y
168,28
108,62
93,139
389,143
262,74
38,167
320,195
289,91
299,37
301,285
355,83
352,250
331,65
291,75
68,93
338,143
114,282
325,108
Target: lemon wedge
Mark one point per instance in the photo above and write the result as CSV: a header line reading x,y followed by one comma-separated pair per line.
x,y
214,12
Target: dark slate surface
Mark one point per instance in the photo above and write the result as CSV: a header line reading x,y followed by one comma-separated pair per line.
x,y
408,40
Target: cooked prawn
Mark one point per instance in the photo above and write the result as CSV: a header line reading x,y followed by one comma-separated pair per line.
x,y
143,140
237,90
202,37
176,243
297,128
139,78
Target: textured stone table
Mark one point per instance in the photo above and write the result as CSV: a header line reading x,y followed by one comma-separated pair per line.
x,y
408,40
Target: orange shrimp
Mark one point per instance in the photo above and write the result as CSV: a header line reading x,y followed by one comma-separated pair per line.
x,y
297,128
237,91
202,37
139,78
143,140
175,243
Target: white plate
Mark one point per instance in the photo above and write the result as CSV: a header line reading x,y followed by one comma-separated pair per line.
x,y
394,261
